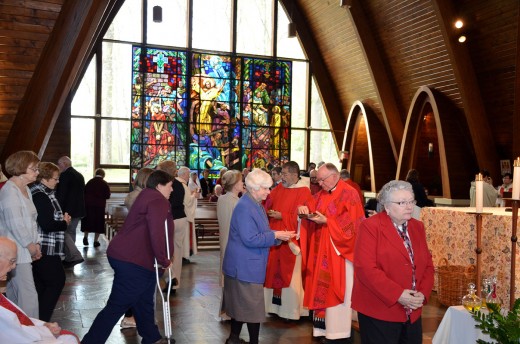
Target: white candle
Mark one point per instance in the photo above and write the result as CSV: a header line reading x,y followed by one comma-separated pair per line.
x,y
479,194
516,179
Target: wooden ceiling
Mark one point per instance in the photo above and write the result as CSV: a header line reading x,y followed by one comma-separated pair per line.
x,y
375,51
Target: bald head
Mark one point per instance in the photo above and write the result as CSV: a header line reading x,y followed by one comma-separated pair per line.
x,y
8,252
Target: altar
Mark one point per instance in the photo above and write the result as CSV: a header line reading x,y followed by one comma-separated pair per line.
x,y
451,234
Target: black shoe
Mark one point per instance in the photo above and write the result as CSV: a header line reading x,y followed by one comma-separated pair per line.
x,y
175,283
185,261
235,341
67,265
96,244
85,241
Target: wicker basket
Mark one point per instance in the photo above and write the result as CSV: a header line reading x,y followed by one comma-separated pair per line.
x,y
452,282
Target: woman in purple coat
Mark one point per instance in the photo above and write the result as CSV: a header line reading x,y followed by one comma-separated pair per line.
x,y
97,192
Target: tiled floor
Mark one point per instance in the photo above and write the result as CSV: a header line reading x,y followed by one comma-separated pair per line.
x,y
194,307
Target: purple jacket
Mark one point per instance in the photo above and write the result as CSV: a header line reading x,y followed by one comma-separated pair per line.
x,y
142,237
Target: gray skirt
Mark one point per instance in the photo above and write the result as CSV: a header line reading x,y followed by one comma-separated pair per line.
x,y
243,301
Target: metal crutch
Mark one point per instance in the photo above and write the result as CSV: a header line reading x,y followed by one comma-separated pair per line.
x,y
165,302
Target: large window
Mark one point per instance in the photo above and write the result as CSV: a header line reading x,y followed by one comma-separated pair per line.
x,y
229,97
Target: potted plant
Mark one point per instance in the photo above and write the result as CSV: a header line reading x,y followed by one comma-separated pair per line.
x,y
505,329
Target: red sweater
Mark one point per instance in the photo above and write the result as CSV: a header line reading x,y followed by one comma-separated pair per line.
x,y
142,237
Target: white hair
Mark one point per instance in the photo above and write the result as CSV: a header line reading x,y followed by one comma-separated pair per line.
x,y
183,171
384,195
257,179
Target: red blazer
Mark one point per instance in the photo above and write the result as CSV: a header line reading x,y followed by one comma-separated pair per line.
x,y
382,268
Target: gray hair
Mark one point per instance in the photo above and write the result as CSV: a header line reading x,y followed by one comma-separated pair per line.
x,y
344,174
183,171
257,179
385,194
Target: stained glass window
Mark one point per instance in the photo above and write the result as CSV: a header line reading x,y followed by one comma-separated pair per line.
x,y
237,113
159,107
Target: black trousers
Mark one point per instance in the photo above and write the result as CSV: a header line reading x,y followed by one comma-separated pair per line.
x,y
374,331
49,279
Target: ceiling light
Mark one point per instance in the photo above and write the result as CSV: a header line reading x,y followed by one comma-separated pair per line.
x,y
459,24
462,39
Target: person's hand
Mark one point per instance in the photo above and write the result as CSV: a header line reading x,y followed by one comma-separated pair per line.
x,y
54,328
35,251
284,235
319,218
303,209
67,218
371,212
274,214
411,299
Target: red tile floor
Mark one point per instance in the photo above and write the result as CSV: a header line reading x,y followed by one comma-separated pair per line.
x,y
194,307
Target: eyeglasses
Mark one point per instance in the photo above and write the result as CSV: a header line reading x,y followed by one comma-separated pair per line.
x,y
322,180
11,261
56,179
403,204
34,169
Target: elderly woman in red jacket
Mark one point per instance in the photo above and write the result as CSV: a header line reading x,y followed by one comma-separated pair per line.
x,y
393,270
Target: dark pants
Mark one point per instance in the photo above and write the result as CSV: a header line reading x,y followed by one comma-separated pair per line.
x,y
374,331
49,279
133,287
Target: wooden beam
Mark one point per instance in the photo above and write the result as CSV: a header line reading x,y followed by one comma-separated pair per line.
x,y
324,80
474,110
75,34
384,88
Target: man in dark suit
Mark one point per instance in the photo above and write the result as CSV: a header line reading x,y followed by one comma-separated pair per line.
x,y
71,196
206,184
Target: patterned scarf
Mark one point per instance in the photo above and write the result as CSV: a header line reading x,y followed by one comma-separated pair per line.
x,y
51,242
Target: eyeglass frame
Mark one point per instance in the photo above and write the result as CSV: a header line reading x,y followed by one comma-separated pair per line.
x,y
322,180
403,204
34,169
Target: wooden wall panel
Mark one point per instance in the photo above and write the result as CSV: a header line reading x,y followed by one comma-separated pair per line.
x,y
492,29
25,27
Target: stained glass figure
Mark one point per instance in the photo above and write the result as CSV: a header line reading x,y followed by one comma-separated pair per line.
x,y
224,111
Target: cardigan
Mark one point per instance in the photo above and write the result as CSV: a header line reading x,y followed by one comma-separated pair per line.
x,y
249,241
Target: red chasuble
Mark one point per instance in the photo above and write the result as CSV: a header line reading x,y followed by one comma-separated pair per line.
x,y
280,264
323,269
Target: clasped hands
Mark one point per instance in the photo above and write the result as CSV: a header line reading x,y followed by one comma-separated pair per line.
x,y
411,299
35,251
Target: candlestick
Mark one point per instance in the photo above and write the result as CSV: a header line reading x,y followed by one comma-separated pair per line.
x,y
479,194
516,179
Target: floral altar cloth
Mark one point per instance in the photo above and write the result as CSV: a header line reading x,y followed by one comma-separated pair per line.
x,y
452,234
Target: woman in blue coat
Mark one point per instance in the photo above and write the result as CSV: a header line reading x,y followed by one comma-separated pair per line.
x,y
245,259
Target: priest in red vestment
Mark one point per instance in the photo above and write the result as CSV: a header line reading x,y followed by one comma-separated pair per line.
x,y
283,292
328,238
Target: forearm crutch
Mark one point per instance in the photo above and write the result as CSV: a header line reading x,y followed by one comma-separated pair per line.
x,y
165,301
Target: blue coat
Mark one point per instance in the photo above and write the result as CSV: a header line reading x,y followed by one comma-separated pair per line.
x,y
249,241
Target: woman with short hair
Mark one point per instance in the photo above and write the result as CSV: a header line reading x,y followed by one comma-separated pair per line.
x,y
246,256
233,185
97,192
132,253
48,273
18,223
393,270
